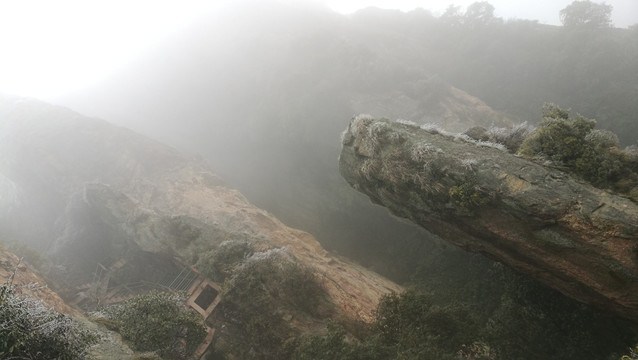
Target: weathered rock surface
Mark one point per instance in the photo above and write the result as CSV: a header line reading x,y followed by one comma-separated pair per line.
x,y
573,237
77,183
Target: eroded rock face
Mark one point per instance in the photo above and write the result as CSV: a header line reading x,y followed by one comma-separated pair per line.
x,y
104,190
573,237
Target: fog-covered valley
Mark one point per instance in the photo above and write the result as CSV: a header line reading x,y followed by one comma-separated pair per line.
x,y
264,93
254,100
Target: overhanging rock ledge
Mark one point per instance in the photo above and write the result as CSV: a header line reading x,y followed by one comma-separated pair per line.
x,y
573,237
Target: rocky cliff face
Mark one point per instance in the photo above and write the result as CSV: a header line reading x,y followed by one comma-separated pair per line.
x,y
86,190
573,237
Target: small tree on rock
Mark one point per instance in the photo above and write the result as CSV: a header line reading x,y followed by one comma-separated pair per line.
x,y
574,144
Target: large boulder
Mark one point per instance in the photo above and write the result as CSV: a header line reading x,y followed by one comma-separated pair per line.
x,y
578,239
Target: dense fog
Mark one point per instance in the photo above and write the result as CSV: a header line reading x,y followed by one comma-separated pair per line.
x,y
261,93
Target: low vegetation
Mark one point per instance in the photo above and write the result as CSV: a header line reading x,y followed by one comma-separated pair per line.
x,y
157,322
511,138
414,327
574,144
408,326
31,330
260,299
219,263
467,196
505,317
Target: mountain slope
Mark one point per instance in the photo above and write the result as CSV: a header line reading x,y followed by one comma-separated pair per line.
x,y
30,283
109,191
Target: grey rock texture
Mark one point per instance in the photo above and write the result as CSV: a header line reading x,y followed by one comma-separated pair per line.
x,y
573,237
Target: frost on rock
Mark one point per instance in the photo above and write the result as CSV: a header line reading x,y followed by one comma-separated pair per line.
x,y
434,129
360,123
512,137
421,151
491,145
32,330
469,164
406,122
368,169
276,254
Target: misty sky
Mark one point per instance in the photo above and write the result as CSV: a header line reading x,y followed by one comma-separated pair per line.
x,y
49,48
545,11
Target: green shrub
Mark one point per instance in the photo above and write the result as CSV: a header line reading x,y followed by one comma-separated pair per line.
x,y
468,196
332,345
335,345
218,264
158,322
418,329
574,144
264,289
408,326
559,138
274,277
31,330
